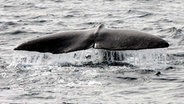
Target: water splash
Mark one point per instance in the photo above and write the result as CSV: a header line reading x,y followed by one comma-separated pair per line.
x,y
73,58
149,58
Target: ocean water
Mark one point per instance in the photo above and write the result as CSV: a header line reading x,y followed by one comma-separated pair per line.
x,y
153,76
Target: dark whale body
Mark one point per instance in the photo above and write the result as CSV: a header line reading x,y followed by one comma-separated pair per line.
x,y
99,38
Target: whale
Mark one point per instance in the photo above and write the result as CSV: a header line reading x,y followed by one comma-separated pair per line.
x,y
98,38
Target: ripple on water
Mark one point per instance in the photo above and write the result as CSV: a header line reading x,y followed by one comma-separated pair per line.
x,y
141,14
18,32
166,79
127,78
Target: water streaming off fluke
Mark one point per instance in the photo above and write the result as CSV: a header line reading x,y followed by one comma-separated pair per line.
x,y
148,58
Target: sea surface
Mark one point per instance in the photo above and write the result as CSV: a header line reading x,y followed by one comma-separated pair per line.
x,y
153,76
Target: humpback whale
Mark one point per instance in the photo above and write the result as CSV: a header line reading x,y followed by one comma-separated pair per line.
x,y
98,38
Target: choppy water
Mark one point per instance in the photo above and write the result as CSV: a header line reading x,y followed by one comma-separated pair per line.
x,y
40,78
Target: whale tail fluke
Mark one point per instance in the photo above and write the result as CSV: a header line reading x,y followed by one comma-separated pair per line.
x,y
100,38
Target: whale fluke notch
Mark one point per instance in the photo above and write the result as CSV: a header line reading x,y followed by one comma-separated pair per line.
x,y
99,38
98,29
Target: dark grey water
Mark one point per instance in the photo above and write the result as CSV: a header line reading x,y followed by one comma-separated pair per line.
x,y
21,20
